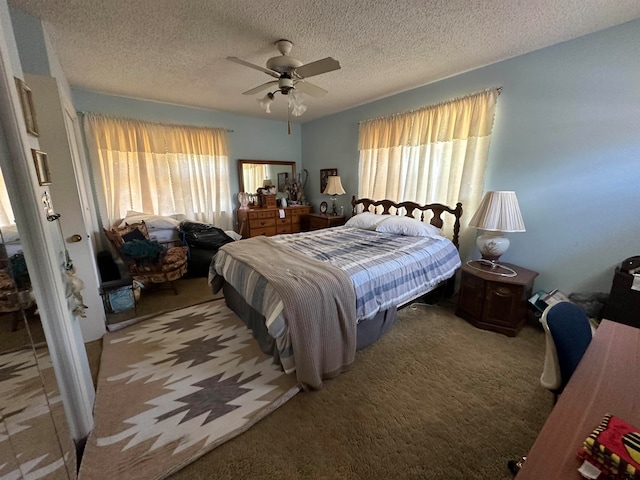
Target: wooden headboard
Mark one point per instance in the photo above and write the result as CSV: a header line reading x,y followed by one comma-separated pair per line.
x,y
382,207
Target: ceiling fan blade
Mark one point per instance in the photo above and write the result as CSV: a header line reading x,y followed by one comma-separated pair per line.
x,y
255,67
310,89
259,88
316,68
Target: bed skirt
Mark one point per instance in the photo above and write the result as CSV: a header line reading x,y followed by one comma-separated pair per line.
x,y
368,331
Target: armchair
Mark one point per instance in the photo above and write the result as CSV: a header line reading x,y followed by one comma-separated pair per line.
x,y
146,260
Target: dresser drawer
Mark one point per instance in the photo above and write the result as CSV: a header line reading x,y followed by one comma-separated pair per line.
x,y
283,221
268,231
253,214
262,222
284,228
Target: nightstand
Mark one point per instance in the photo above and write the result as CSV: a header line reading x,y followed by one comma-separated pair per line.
x,y
494,302
322,220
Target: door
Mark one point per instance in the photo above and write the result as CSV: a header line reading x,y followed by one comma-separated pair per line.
x,y
69,193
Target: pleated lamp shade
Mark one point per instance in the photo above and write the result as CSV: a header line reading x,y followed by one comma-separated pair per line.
x,y
498,212
334,186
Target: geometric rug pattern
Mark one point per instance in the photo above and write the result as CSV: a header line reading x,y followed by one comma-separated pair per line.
x,y
34,437
175,386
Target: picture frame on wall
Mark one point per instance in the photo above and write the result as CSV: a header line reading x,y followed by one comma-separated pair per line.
x,y
324,174
28,110
41,161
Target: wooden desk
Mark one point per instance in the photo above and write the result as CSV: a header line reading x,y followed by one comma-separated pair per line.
x,y
606,381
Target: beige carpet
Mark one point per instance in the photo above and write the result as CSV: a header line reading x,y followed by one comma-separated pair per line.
x,y
434,399
172,387
158,298
34,439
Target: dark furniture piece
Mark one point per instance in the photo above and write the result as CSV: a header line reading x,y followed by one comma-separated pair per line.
x,y
318,221
623,304
606,381
494,302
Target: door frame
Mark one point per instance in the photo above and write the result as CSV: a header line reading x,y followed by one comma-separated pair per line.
x,y
62,330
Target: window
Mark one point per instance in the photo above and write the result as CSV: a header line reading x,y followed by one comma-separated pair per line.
x,y
160,169
436,154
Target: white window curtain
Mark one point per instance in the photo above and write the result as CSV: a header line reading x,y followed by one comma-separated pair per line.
x,y
254,176
161,169
436,154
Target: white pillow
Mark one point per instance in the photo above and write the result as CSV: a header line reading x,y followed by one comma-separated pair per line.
x,y
152,221
408,226
365,220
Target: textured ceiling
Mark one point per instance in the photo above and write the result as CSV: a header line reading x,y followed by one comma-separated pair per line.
x,y
174,50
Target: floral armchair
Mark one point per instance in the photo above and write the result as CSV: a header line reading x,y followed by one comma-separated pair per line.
x,y
146,260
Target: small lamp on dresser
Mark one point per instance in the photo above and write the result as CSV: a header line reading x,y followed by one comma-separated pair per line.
x,y
498,213
333,188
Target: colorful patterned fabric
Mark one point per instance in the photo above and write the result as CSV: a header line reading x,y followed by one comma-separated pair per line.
x,y
614,447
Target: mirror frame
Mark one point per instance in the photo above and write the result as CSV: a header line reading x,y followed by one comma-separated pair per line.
x,y
262,162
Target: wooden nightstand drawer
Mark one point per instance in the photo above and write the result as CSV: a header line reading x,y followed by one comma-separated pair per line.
x,y
320,220
494,302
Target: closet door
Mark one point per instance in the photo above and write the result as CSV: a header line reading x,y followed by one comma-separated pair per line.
x,y
35,441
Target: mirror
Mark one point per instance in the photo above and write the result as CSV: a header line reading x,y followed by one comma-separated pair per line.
x,y
35,440
253,173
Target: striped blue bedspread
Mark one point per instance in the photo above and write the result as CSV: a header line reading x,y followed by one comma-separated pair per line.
x,y
386,270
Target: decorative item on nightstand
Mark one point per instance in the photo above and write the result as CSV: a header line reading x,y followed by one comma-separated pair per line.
x,y
498,213
334,187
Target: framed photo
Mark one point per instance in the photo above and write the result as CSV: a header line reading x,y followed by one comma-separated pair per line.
x,y
28,110
282,181
324,173
42,167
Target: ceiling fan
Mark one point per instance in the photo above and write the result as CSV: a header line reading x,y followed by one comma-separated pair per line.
x,y
291,76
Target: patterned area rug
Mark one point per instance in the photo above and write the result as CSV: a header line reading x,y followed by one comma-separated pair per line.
x,y
174,387
34,439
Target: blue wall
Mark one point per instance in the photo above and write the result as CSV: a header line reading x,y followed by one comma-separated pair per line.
x,y
566,139
252,138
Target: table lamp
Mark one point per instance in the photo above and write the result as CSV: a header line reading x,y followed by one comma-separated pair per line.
x,y
333,188
498,213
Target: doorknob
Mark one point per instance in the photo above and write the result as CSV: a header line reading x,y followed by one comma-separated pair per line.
x,y
76,238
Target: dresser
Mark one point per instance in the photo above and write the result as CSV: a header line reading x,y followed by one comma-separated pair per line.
x,y
271,221
493,302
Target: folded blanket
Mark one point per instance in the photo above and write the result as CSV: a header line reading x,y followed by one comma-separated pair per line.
x,y
319,306
614,447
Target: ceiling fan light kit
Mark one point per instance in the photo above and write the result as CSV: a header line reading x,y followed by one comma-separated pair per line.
x,y
291,76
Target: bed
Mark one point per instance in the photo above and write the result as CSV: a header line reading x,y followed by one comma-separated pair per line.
x,y
313,298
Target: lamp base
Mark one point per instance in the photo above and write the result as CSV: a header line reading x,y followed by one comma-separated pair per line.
x,y
334,211
492,246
